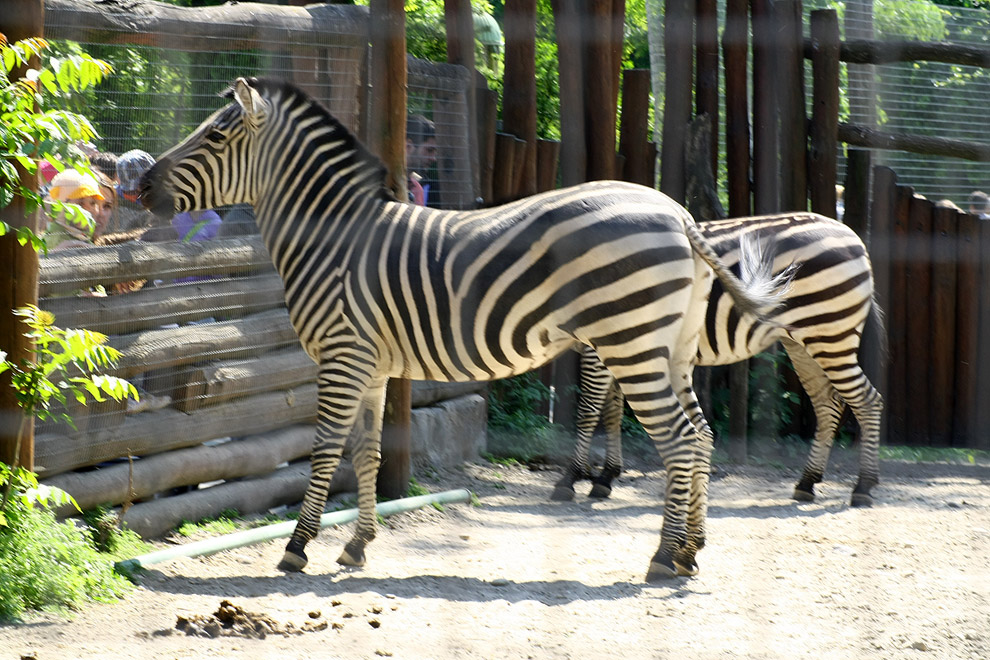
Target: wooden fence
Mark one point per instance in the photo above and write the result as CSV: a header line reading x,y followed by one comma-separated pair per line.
x,y
934,282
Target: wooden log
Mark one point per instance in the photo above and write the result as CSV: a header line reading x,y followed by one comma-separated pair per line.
x,y
943,324
547,161
737,143
218,382
141,435
156,349
862,136
823,155
964,423
600,85
856,197
919,316
634,127
567,19
677,33
898,314
78,269
460,51
488,117
286,486
151,307
234,27
706,72
867,51
504,177
144,477
519,88
766,145
793,121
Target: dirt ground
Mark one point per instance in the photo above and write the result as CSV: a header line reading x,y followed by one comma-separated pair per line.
x,y
520,577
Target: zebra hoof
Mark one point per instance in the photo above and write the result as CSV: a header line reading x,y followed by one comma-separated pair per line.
x,y
803,495
660,572
293,562
861,500
562,494
600,491
353,555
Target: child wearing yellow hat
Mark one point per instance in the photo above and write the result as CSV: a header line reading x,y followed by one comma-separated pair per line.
x,y
75,187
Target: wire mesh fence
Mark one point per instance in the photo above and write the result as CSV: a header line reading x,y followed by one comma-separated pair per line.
x,y
201,318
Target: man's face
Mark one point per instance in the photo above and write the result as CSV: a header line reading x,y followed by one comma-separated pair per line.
x,y
421,157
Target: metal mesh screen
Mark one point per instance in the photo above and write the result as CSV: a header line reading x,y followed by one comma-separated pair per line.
x,y
202,323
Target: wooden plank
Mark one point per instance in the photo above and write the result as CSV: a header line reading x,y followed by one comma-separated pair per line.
x,y
982,439
918,270
874,349
706,71
487,120
570,60
547,164
793,120
968,294
943,324
503,182
600,84
898,312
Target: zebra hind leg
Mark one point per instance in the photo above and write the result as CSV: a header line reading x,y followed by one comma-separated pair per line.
x,y
324,462
367,457
601,485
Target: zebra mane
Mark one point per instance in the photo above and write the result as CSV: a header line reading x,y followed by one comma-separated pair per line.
x,y
269,87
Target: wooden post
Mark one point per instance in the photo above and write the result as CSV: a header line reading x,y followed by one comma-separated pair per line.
x,y
570,52
677,37
735,48
519,90
897,317
460,50
706,75
633,139
879,244
766,164
918,270
19,275
793,121
825,111
388,117
982,441
600,87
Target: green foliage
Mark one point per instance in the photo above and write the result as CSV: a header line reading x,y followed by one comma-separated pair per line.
x,y
109,537
48,565
225,522
68,363
954,455
909,19
515,429
35,126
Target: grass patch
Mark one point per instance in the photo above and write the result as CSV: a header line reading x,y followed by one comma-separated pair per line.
x,y
954,455
225,522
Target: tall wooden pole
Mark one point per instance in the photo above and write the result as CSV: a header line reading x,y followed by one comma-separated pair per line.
x,y
570,48
388,139
678,35
519,90
20,19
460,50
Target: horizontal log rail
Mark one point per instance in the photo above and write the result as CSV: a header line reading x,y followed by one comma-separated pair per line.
x,y
862,136
861,51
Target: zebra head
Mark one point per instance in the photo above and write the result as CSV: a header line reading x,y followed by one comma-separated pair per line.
x,y
214,165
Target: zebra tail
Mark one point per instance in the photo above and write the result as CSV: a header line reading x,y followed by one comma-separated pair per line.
x,y
759,292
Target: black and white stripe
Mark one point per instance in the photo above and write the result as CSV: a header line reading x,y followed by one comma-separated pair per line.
x,y
377,288
819,324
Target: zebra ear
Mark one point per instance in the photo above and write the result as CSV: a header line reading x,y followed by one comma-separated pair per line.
x,y
254,106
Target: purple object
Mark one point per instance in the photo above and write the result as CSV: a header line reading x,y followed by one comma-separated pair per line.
x,y
197,225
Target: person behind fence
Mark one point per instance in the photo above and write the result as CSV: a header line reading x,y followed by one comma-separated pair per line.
x,y
70,229
979,204
421,158
131,166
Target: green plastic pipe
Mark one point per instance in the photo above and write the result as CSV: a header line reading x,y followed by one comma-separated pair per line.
x,y
283,529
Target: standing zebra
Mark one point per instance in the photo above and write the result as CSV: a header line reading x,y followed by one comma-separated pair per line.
x,y
819,324
377,288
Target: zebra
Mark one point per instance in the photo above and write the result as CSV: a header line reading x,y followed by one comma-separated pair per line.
x,y
378,289
820,324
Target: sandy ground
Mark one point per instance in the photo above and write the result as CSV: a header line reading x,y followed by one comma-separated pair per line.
x,y
520,577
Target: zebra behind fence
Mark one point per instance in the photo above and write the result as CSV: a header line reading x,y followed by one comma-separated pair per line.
x,y
819,324
376,289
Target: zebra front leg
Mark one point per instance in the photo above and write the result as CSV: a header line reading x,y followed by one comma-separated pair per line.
x,y
367,458
323,463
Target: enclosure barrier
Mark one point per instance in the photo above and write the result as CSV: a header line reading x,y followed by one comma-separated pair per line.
x,y
280,530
